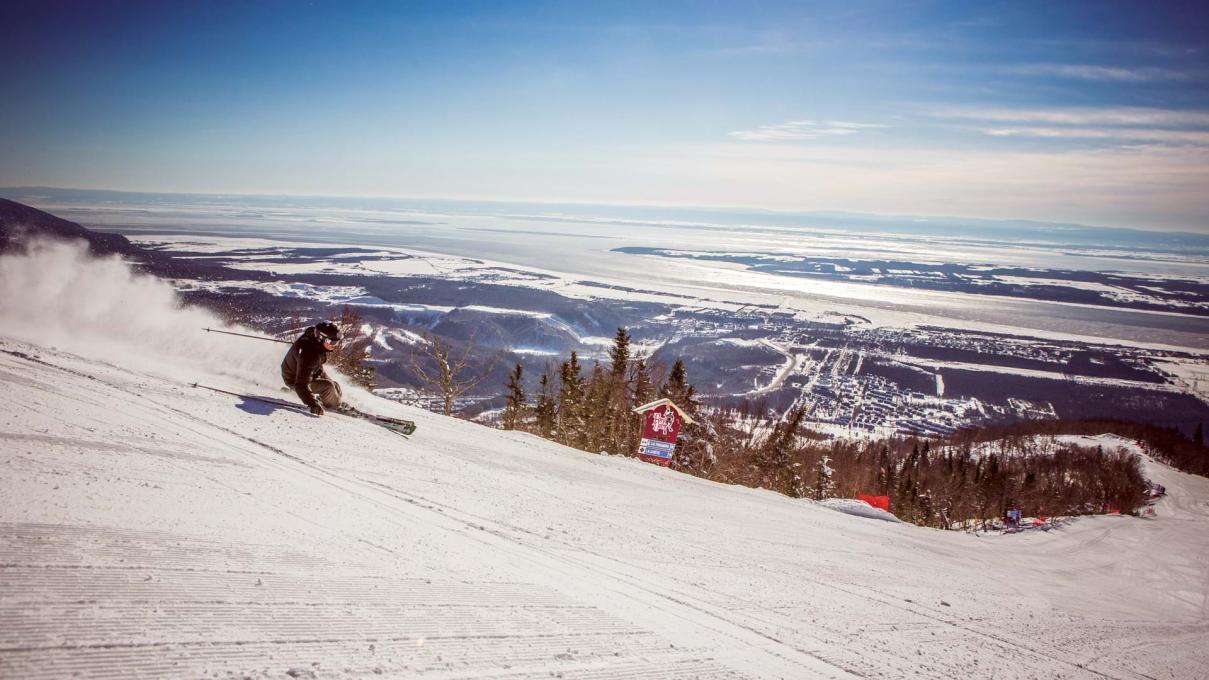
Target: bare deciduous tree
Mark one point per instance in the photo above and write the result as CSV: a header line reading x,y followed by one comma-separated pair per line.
x,y
443,369
351,357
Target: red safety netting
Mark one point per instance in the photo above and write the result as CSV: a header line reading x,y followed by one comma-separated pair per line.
x,y
882,502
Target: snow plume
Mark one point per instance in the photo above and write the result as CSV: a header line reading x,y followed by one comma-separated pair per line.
x,y
55,294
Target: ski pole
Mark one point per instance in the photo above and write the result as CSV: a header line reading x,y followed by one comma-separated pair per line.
x,y
245,335
267,400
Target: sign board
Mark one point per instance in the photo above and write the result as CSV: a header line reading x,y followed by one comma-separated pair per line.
x,y
654,448
661,426
1013,518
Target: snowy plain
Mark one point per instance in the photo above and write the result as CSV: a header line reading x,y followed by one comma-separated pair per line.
x,y
696,285
152,529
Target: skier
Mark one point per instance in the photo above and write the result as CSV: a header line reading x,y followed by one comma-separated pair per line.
x,y
302,368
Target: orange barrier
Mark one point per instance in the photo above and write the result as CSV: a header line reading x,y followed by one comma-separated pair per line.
x,y
882,502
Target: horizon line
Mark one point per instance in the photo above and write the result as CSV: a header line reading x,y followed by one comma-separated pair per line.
x,y
582,203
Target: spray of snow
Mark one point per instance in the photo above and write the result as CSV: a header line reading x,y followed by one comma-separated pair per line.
x,y
55,294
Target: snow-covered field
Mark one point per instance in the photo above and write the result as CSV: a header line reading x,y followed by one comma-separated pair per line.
x,y
596,272
151,529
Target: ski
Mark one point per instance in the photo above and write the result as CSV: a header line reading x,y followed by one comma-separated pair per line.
x,y
396,425
399,425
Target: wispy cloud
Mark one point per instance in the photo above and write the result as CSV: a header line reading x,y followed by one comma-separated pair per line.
x,y
1124,134
768,48
1101,73
1119,126
1124,116
796,130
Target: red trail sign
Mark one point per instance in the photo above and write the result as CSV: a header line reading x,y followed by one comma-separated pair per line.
x,y
661,426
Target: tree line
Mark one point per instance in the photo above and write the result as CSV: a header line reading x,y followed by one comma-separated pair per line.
x,y
972,477
945,483
592,408
969,478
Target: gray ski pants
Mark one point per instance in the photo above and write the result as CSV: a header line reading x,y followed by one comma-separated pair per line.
x,y
328,392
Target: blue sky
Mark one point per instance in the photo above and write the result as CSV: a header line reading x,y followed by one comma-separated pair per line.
x,y
1091,112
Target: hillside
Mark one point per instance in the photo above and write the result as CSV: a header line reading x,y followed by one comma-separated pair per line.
x,y
151,529
23,226
20,223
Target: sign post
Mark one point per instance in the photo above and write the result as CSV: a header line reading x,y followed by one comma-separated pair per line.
x,y
660,428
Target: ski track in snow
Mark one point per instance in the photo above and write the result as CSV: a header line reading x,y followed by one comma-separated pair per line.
x,y
152,530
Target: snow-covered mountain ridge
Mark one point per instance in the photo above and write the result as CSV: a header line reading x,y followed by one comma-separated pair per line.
x,y
149,529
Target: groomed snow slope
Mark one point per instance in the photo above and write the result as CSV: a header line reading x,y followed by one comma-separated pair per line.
x,y
150,529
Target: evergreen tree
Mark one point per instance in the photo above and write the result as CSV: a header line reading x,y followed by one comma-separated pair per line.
x,y
514,408
570,418
643,391
905,499
596,411
619,354
885,472
923,486
991,491
546,412
924,507
824,483
676,387
692,449
644,388
775,457
616,403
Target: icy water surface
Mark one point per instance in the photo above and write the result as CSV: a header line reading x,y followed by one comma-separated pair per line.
x,y
583,244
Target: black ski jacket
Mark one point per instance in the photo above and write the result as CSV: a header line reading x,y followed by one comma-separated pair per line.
x,y
303,364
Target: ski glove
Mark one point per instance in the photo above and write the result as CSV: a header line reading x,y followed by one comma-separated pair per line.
x,y
317,409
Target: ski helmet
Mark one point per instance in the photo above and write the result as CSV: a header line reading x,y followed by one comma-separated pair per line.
x,y
326,330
